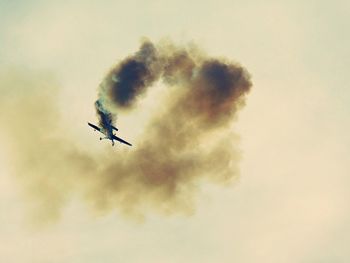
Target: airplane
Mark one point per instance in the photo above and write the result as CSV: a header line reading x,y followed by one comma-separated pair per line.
x,y
108,131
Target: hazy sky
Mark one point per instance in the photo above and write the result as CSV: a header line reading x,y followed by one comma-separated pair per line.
x,y
290,203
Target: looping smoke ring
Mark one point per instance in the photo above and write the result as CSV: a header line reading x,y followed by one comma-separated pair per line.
x,y
169,158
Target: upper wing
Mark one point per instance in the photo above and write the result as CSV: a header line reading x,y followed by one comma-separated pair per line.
x,y
121,140
94,126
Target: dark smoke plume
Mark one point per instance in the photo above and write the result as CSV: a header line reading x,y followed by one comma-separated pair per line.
x,y
215,85
188,140
132,76
170,158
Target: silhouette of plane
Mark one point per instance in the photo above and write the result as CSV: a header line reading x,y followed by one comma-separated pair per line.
x,y
108,132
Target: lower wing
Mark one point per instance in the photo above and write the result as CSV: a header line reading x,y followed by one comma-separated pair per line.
x,y
120,140
94,127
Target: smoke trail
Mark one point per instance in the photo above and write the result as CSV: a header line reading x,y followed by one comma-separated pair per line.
x,y
188,140
104,116
221,84
130,77
164,167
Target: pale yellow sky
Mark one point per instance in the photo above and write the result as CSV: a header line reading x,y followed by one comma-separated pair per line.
x,y
290,202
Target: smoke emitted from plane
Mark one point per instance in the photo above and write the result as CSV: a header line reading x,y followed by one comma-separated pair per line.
x,y
174,154
211,83
129,79
104,116
187,141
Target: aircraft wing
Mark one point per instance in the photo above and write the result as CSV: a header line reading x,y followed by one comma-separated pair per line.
x,y
120,140
94,127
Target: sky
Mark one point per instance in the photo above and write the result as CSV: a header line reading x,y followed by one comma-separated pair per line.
x,y
289,203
